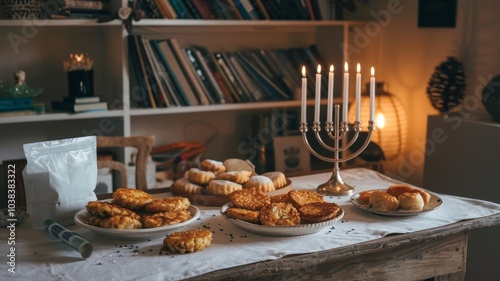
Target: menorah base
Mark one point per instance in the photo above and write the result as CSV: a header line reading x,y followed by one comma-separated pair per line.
x,y
335,186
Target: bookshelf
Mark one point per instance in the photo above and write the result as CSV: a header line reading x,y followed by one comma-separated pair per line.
x,y
42,45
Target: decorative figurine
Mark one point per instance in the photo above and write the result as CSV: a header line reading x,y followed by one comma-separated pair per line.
x,y
20,89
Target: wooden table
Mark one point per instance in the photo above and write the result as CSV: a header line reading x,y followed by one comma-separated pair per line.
x,y
439,253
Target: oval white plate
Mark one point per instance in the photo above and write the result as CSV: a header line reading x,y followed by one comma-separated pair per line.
x,y
433,204
302,229
81,218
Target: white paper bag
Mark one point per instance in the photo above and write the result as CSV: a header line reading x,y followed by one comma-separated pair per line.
x,y
60,178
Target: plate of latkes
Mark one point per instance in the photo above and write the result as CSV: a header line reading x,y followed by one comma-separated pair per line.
x,y
82,217
434,203
301,229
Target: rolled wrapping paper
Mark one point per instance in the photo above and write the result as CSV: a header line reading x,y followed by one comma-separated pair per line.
x,y
69,237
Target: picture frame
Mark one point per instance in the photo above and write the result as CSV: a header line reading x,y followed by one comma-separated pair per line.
x,y
291,154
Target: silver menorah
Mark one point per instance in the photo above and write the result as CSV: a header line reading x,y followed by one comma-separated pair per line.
x,y
338,131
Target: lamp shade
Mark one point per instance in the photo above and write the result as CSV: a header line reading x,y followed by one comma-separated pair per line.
x,y
390,120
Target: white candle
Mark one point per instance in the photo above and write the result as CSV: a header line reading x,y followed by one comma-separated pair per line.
x,y
358,92
330,95
372,94
345,95
318,94
304,95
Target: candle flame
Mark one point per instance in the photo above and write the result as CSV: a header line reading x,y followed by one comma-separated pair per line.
x,y
358,68
331,68
373,71
303,71
346,67
319,68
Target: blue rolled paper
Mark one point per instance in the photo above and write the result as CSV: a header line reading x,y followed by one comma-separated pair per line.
x,y
74,240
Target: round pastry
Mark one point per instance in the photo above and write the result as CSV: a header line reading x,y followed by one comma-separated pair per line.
x,y
249,198
239,177
234,164
222,187
411,201
183,185
165,218
274,214
105,209
262,183
213,166
116,222
198,176
383,201
398,189
319,211
425,195
364,197
278,178
131,198
187,241
243,214
301,197
168,204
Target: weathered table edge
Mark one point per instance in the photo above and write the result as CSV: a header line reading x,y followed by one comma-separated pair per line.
x,y
267,270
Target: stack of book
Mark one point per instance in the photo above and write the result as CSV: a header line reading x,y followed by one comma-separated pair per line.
x,y
168,75
81,9
10,106
80,104
237,9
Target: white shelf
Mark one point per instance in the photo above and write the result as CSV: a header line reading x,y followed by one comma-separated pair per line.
x,y
61,116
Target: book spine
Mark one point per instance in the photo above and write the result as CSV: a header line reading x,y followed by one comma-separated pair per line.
x,y
252,14
155,82
260,9
213,75
209,90
240,94
155,11
141,92
241,9
190,5
181,9
84,4
205,9
253,91
165,12
188,70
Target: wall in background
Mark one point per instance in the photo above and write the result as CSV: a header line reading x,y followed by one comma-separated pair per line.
x,y
407,58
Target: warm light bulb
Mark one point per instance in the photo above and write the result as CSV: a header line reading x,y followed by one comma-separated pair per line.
x,y
380,120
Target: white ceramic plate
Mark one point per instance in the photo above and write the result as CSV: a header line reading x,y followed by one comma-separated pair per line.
x,y
81,218
302,229
433,204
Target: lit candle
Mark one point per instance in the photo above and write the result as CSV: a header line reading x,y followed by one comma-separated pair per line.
x,y
318,94
304,95
345,96
372,94
330,95
358,92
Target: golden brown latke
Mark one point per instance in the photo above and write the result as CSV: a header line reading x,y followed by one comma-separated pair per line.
x,y
275,214
131,198
168,204
105,209
165,218
249,198
118,222
301,197
187,241
319,211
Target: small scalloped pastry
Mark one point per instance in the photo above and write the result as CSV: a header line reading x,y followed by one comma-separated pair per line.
x,y
278,178
243,214
239,177
235,164
105,209
222,187
187,241
213,166
262,183
201,177
183,185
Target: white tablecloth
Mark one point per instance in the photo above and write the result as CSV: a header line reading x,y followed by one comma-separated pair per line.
x,y
39,256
